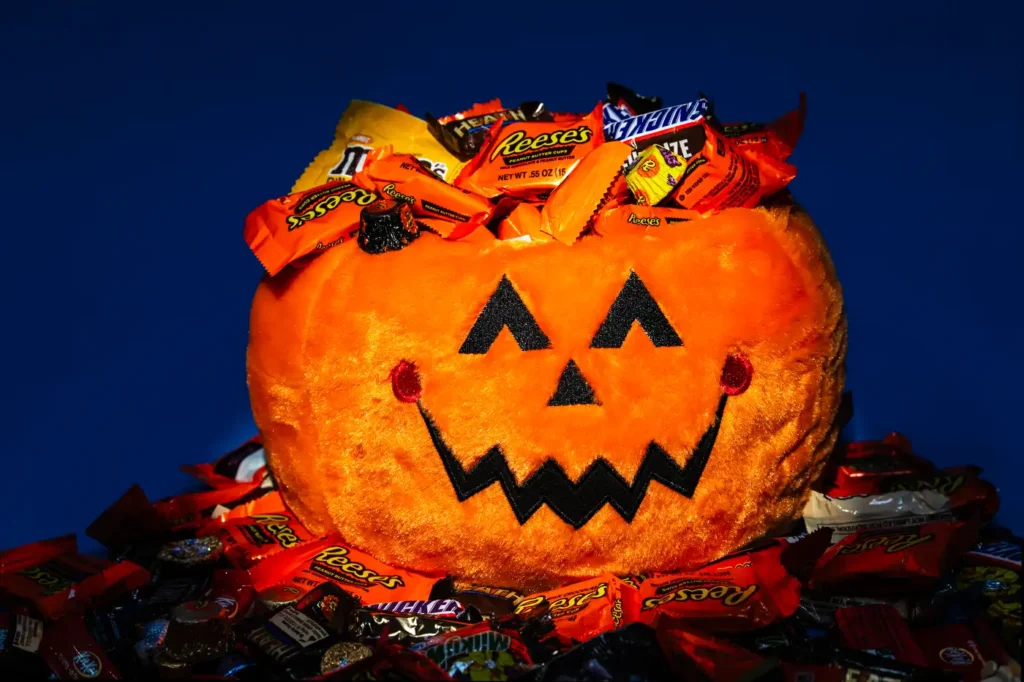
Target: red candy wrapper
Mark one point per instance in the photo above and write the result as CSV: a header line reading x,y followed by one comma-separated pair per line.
x,y
582,610
244,464
53,576
952,647
74,654
745,591
892,562
691,651
191,511
878,629
256,530
369,580
482,645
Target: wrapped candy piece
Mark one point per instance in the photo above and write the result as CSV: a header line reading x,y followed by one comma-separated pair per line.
x,y
744,591
527,159
283,230
328,559
365,625
471,651
878,629
636,219
892,562
594,185
775,140
523,221
366,126
622,103
463,133
579,611
630,653
242,465
691,651
253,531
655,174
719,177
54,577
401,178
678,128
72,653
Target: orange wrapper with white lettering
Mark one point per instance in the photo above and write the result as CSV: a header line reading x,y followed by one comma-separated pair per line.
x,y
632,218
400,177
895,562
719,177
527,159
54,577
286,229
745,591
256,530
330,560
580,611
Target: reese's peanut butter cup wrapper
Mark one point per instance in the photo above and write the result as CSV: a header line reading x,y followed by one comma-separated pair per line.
x,y
655,174
719,177
241,465
526,159
282,230
745,591
330,560
632,218
55,578
366,126
579,611
895,562
387,225
595,183
523,221
400,177
463,133
253,531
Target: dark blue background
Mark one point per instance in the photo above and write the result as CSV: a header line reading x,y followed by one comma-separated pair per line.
x,y
134,142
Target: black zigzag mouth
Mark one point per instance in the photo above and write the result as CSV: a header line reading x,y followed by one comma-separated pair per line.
x,y
577,502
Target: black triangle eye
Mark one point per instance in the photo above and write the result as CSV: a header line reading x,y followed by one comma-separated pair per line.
x,y
635,302
504,309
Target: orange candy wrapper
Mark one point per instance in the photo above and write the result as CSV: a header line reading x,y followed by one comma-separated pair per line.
x,y
528,159
53,576
635,219
580,611
719,177
454,212
285,229
522,221
255,530
745,591
328,559
595,183
775,140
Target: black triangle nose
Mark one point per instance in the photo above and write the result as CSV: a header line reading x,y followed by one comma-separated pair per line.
x,y
573,389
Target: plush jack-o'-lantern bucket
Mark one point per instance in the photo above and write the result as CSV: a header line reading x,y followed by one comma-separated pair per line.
x,y
522,413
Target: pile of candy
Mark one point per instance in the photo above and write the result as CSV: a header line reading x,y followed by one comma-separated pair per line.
x,y
493,172
894,578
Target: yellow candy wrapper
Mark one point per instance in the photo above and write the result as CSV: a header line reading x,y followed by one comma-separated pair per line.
x,y
366,126
654,175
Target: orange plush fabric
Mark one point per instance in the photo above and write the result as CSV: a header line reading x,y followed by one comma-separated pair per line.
x,y
349,455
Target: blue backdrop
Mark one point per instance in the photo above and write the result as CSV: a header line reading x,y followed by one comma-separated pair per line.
x,y
135,140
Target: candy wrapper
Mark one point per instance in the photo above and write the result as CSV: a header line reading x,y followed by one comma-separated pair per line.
x,y
878,629
365,625
464,133
455,212
677,128
623,103
283,230
244,464
775,140
54,577
632,219
255,530
580,611
655,175
477,650
369,580
529,159
366,126
740,592
895,562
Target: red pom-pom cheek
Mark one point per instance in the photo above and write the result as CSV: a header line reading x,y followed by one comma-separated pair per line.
x,y
736,374
405,382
